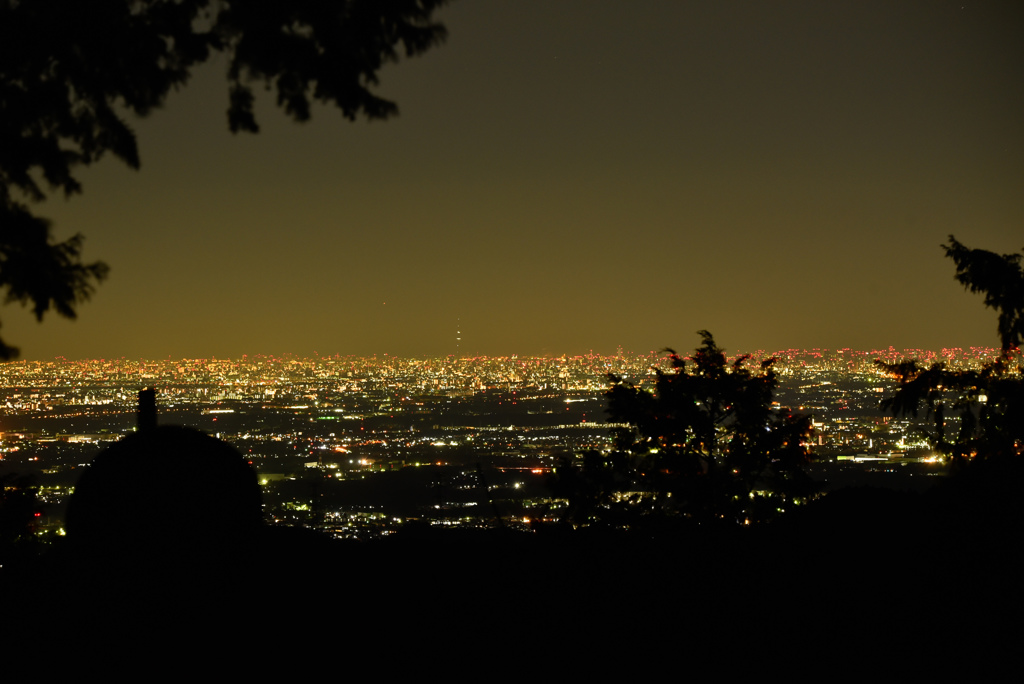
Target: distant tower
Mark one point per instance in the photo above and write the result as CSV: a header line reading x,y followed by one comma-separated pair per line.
x,y
458,337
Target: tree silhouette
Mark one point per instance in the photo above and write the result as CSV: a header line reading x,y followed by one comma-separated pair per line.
x,y
1001,278
705,445
987,404
67,68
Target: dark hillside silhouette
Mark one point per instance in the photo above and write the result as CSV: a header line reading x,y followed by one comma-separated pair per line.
x,y
168,487
66,68
978,417
19,508
166,561
166,553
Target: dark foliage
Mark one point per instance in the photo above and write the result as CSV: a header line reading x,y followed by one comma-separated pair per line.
x,y
1001,280
705,446
976,414
69,69
35,270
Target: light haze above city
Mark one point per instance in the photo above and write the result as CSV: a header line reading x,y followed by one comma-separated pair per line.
x,y
571,176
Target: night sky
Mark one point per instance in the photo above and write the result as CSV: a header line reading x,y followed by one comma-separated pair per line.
x,y
575,175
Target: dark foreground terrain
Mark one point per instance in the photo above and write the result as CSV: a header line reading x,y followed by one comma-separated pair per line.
x,y
862,579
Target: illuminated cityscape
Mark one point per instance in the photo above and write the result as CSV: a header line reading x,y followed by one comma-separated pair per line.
x,y
477,202
359,447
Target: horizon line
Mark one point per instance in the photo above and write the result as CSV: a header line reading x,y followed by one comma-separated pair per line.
x,y
757,353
